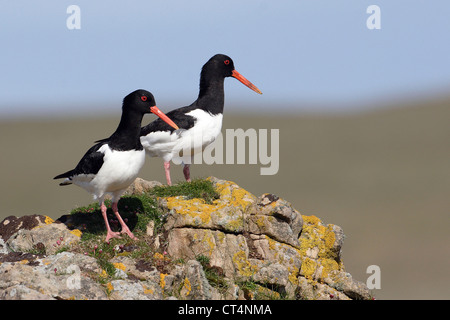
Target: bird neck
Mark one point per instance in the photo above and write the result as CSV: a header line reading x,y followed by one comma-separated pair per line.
x,y
211,97
126,136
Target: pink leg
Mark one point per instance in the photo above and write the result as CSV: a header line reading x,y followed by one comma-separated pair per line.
x,y
187,173
125,228
167,170
109,233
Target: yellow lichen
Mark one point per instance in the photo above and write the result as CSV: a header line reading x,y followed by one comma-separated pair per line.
x,y
329,237
328,266
76,232
272,243
210,241
220,236
317,235
308,268
109,287
48,220
158,255
147,290
119,265
187,286
162,282
243,266
195,208
236,224
261,221
239,197
293,275
231,195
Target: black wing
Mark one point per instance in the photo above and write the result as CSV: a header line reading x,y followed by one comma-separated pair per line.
x,y
91,163
178,116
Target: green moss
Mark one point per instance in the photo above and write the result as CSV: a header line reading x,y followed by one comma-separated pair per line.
x,y
196,189
260,291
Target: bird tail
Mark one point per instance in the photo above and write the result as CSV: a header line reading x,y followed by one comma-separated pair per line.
x,y
67,175
66,182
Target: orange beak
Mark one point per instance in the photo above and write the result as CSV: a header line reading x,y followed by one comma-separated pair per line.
x,y
165,118
242,79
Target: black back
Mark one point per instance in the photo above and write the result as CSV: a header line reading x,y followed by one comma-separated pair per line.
x,y
211,97
91,163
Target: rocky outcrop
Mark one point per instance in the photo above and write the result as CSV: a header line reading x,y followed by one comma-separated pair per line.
x,y
237,246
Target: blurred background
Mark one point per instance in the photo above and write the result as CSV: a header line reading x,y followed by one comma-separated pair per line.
x,y
363,114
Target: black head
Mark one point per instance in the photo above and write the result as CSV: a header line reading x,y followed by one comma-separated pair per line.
x,y
140,100
220,65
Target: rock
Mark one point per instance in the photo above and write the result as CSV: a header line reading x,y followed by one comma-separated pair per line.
x,y
11,225
137,269
3,248
61,276
47,238
345,283
236,241
134,290
277,276
226,213
195,284
140,186
265,239
220,248
238,246
21,292
271,205
310,290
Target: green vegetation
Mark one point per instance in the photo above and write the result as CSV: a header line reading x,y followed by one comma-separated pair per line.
x,y
261,291
198,188
138,210
214,275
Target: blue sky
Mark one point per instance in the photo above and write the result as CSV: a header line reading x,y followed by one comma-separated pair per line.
x,y
301,54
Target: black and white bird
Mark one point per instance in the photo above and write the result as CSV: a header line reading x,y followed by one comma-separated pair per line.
x,y
200,123
111,165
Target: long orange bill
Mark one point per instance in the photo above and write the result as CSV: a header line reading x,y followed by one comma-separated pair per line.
x,y
165,118
242,79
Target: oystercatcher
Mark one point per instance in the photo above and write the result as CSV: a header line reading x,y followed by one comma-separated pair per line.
x,y
200,123
112,164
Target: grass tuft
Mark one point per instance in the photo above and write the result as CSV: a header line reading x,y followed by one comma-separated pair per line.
x,y
198,188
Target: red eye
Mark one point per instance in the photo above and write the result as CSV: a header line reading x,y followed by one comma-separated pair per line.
x,y
144,98
227,62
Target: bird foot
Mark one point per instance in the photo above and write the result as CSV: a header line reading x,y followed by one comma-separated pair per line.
x,y
111,234
129,233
